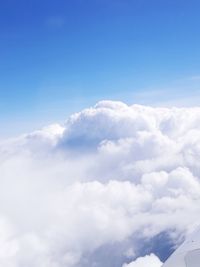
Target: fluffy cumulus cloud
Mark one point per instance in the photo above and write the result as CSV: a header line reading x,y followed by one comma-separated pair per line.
x,y
115,185
149,260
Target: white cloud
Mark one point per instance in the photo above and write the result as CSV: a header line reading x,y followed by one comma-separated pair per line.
x,y
111,178
150,261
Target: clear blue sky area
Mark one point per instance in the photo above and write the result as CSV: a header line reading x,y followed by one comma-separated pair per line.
x,y
60,56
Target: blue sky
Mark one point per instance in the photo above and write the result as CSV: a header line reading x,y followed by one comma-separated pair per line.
x,y
60,56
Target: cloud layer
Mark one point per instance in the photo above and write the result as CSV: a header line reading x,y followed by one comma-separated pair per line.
x,y
111,185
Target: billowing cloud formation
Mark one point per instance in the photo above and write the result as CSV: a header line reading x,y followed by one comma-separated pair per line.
x,y
112,184
150,261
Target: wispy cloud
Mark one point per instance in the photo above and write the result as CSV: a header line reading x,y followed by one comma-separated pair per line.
x,y
55,22
195,78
